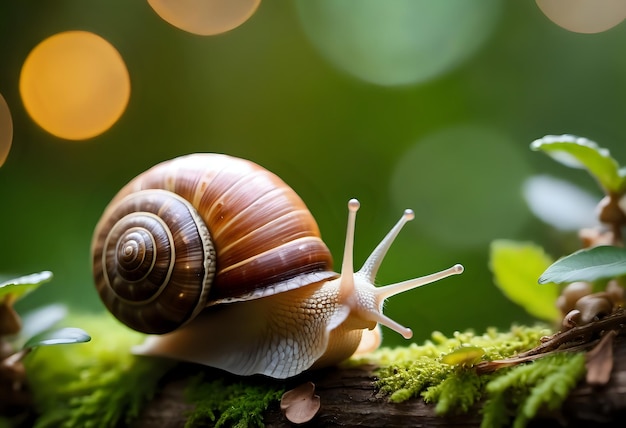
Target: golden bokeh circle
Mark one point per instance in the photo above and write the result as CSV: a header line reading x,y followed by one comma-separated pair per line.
x,y
6,130
205,17
75,85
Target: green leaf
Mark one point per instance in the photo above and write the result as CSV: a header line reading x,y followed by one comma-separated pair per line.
x,y
218,402
577,152
19,287
589,264
97,384
62,336
516,267
465,355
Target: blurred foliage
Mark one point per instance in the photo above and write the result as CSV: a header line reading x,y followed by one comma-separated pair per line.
x,y
516,267
16,288
263,92
603,256
99,382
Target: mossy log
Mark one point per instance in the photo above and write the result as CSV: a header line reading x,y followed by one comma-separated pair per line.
x,y
349,398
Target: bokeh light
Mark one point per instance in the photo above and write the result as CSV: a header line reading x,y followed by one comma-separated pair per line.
x,y
6,130
584,16
265,92
205,17
461,183
398,42
75,85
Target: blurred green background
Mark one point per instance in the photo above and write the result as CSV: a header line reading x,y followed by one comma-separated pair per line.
x,y
282,91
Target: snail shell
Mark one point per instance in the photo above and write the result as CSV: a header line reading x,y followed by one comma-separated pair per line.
x,y
208,229
199,230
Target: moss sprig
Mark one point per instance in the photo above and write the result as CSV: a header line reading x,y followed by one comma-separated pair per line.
x,y
407,371
544,383
456,393
97,384
512,395
221,403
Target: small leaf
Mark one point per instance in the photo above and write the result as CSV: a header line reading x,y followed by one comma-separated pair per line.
x,y
577,152
589,264
599,361
516,267
464,356
300,404
60,336
19,287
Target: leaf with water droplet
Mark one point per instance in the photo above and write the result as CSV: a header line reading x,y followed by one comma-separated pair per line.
x,y
61,336
577,152
19,287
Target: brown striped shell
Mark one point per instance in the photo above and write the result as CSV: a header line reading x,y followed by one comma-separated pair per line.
x,y
199,230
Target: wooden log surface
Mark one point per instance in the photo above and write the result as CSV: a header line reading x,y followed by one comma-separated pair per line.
x,y
348,398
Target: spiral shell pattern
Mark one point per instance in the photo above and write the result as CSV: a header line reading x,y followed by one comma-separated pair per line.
x,y
262,236
156,262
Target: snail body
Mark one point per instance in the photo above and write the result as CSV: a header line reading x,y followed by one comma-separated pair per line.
x,y
223,264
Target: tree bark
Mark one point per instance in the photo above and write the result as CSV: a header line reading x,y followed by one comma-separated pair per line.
x,y
348,398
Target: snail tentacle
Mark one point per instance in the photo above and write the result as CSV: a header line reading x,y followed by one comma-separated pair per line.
x,y
223,261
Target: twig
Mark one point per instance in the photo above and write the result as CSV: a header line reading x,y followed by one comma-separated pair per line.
x,y
579,338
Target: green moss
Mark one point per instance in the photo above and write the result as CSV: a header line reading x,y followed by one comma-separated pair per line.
x,y
408,371
520,391
457,392
239,404
544,383
102,384
99,383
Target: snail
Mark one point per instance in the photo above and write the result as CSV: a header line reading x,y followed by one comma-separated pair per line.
x,y
222,264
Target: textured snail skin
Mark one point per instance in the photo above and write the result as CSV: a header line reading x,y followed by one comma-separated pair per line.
x,y
274,306
278,336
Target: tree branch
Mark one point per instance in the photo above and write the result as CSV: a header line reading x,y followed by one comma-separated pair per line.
x,y
349,398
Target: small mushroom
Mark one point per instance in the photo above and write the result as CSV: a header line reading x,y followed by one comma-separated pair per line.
x,y
610,211
300,404
593,237
594,306
570,295
571,319
615,292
